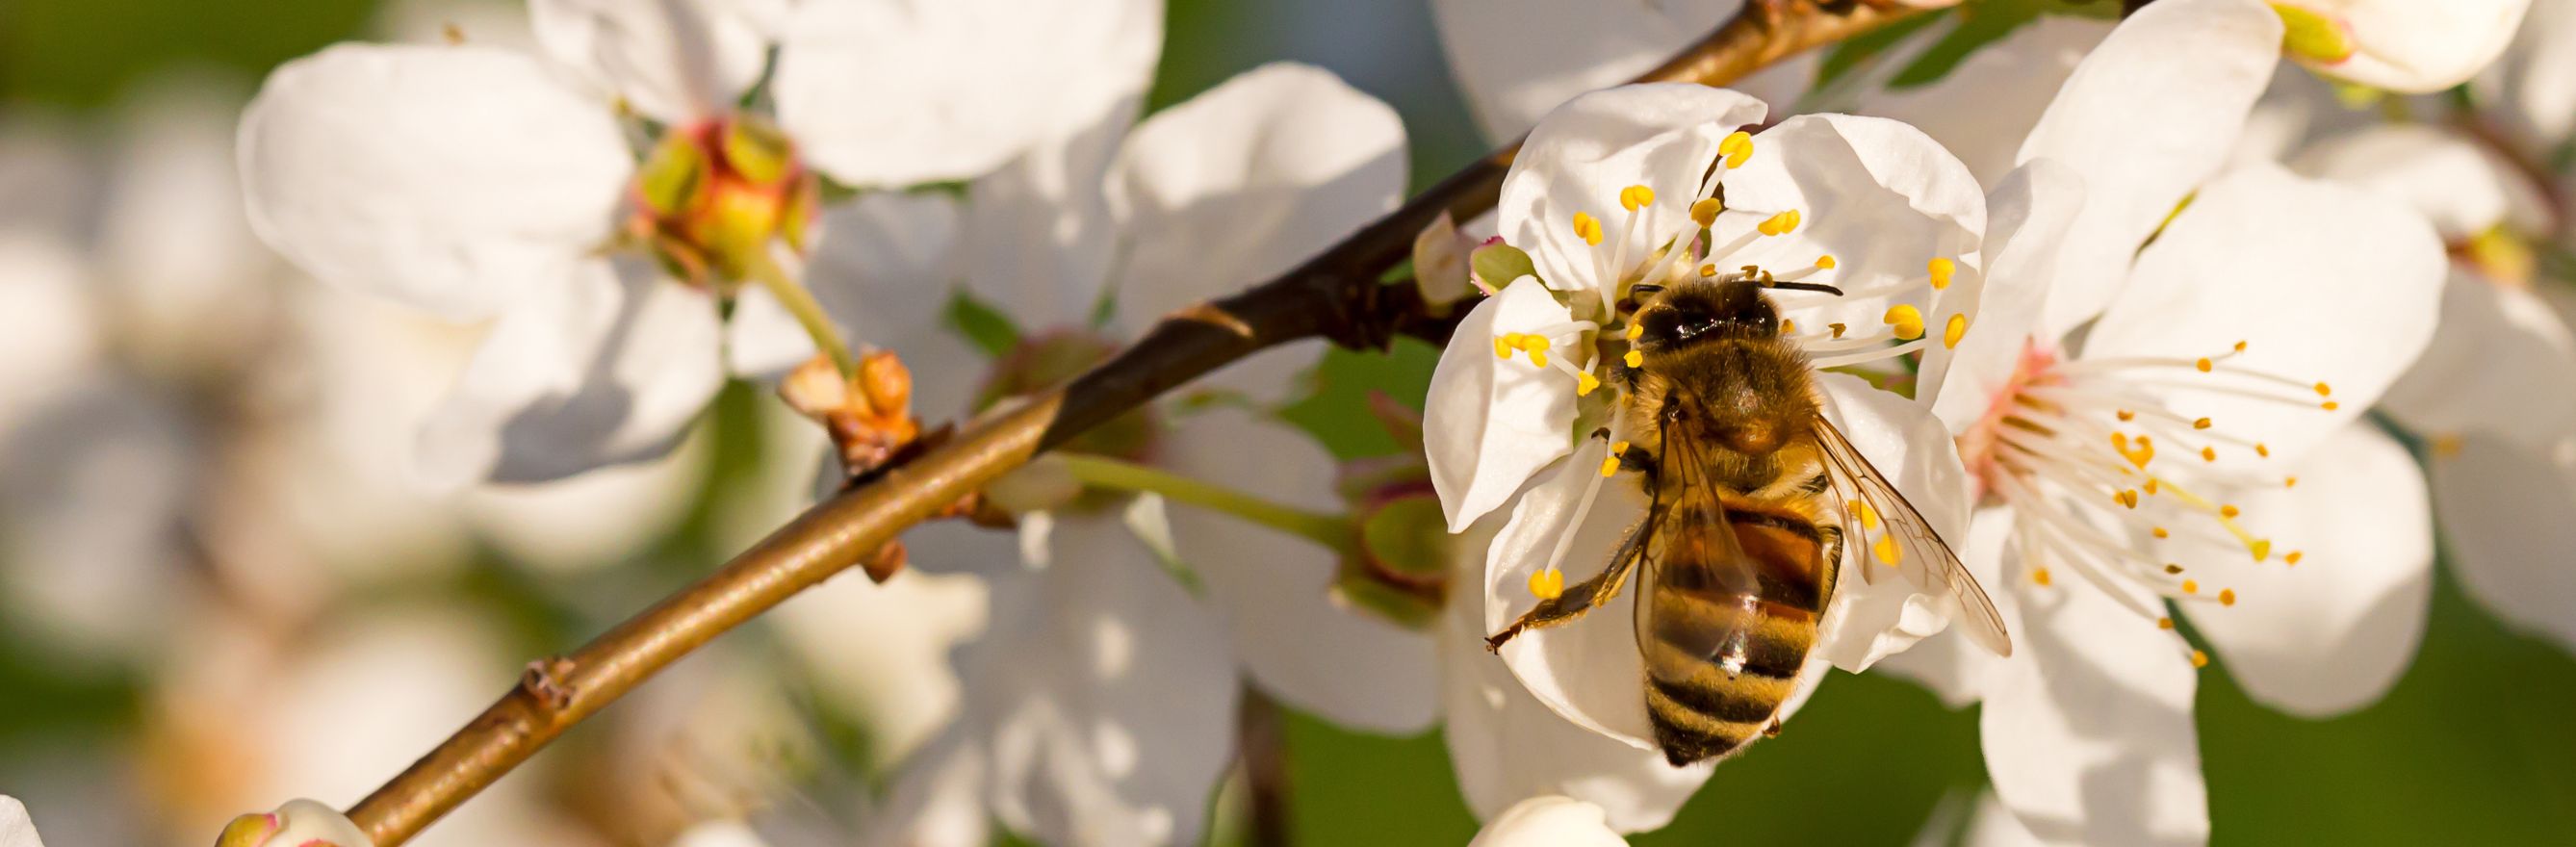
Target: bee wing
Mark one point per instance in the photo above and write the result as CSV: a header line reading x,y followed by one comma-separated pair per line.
x,y
1686,529
1909,543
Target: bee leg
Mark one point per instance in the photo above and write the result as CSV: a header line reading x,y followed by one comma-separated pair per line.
x,y
1578,600
1772,730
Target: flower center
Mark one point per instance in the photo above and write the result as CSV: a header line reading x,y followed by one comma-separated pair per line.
x,y
2075,447
711,195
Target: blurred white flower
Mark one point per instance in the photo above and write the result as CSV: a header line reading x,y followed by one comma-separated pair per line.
x,y
1519,59
1548,821
2400,45
1866,204
16,829
1099,703
481,183
2531,90
2490,394
2179,428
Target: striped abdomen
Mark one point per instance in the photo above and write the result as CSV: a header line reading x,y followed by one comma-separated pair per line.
x,y
1724,635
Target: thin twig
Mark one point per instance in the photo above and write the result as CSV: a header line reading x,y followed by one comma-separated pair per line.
x,y
1336,295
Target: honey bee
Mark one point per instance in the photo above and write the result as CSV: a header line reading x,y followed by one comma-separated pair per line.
x,y
1753,493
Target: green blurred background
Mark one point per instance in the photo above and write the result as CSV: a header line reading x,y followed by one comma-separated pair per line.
x,y
2476,744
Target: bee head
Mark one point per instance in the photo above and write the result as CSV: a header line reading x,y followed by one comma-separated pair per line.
x,y
1705,310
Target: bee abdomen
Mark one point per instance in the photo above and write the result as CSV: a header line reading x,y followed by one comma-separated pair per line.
x,y
1718,667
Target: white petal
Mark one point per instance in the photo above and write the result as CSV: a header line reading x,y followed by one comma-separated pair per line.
x,y
937,800
2533,87
1505,745
676,61
1490,423
1294,636
2144,124
16,829
2088,727
1518,59
2417,48
1994,826
2463,187
2495,365
2031,209
1880,197
2331,633
1585,152
1242,183
1587,670
883,270
1983,108
901,685
1549,821
1872,618
452,178
2504,514
1108,692
1038,233
95,491
1246,180
2279,262
897,93
1952,667
600,369
590,520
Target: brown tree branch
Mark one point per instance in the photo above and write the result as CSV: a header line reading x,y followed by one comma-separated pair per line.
x,y
1336,295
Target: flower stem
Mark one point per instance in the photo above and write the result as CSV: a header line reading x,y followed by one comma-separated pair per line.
x,y
809,312
1332,531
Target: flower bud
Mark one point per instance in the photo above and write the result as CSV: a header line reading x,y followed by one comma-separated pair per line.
x,y
299,823
1440,262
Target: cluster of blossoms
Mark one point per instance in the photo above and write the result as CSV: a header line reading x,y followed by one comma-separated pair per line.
x,y
2144,316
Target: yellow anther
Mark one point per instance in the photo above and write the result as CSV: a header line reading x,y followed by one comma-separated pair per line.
x,y
1886,550
1584,383
1636,197
2228,511
1737,147
2190,586
1548,584
2227,597
1868,516
1532,343
2261,450
1588,228
1942,268
2164,623
2261,548
1907,320
2171,568
2126,497
2203,364
2161,533
2199,659
2330,405
1705,211
2151,485
2040,576
2289,482
2293,557
1634,359
1838,329
1706,271
1618,448
1788,326
1538,358
1956,329
1504,345
2209,454
2127,416
2324,390
2138,454
2203,423
1635,329
1610,464
1779,224
2240,346
1825,262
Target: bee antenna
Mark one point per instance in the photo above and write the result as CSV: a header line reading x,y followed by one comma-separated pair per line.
x,y
1807,286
